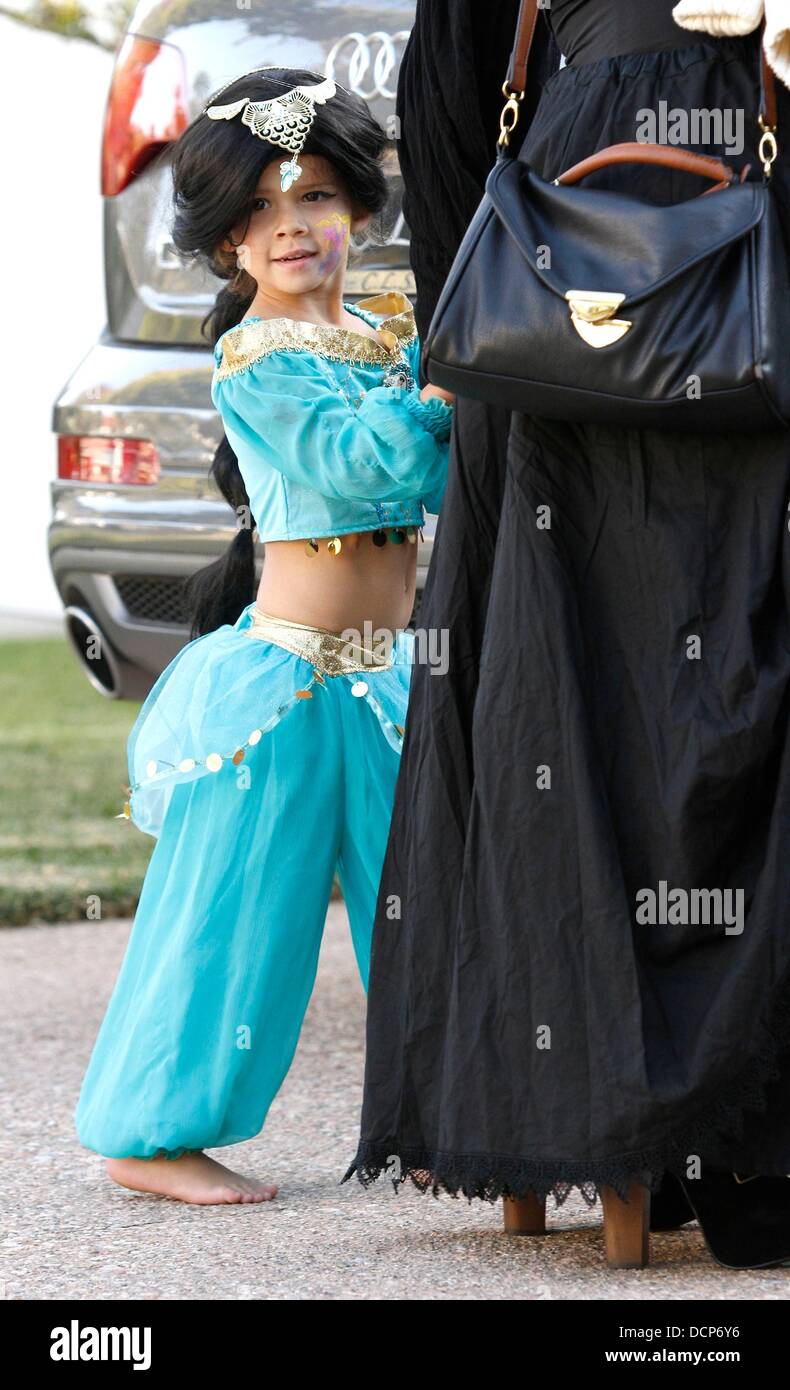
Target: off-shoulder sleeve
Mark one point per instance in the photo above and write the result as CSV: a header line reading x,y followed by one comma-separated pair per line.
x,y
286,407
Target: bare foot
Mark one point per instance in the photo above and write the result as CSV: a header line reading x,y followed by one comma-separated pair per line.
x,y
191,1178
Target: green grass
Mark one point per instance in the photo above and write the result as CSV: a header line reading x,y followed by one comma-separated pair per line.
x,y
62,782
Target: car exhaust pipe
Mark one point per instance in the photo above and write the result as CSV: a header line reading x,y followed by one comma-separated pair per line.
x,y
99,660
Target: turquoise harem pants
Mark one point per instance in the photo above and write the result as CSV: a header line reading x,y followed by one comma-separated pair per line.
x,y
207,1008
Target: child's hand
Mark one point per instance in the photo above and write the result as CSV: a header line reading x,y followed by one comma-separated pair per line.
x,y
431,390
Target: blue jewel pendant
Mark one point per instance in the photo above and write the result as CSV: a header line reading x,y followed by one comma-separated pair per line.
x,y
290,171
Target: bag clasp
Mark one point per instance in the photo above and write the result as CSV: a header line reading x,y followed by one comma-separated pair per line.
x,y
592,316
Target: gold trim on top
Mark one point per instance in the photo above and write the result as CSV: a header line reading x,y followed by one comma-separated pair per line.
x,y
249,342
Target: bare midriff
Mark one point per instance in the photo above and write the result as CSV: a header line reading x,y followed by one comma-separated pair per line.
x,y
363,582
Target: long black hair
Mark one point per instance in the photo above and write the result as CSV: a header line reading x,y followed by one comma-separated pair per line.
x,y
216,166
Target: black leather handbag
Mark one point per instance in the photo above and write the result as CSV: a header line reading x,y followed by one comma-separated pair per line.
x,y
673,317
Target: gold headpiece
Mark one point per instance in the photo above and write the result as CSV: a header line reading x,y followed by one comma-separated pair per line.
x,y
283,120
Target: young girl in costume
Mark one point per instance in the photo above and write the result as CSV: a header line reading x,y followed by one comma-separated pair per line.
x,y
265,756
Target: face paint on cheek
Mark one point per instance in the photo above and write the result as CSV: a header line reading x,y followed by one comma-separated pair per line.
x,y
335,232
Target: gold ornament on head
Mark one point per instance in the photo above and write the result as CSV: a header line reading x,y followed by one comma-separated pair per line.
x,y
284,120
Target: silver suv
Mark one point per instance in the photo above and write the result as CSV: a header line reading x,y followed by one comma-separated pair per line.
x,y
134,513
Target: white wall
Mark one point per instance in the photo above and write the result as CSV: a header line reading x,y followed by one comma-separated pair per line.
x,y
52,292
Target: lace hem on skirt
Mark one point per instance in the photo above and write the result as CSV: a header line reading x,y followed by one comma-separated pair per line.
x,y
491,1176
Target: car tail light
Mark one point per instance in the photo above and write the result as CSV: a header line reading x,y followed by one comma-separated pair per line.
x,y
146,109
92,458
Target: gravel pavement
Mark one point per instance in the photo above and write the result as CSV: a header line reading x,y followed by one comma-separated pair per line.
x,y
70,1233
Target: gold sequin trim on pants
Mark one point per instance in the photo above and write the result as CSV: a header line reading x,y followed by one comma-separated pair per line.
x,y
327,651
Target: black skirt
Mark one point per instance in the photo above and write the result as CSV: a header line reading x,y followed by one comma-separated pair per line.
x,y
613,724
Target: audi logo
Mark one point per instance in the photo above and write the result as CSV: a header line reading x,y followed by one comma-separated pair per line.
x,y
361,52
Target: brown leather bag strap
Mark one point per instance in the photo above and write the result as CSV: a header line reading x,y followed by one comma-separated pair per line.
x,y
769,84
516,78
635,152
525,32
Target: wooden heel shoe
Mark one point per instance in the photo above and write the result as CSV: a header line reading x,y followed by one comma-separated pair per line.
x,y
626,1227
525,1216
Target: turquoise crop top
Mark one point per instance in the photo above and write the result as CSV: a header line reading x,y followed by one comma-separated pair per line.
x,y
323,446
